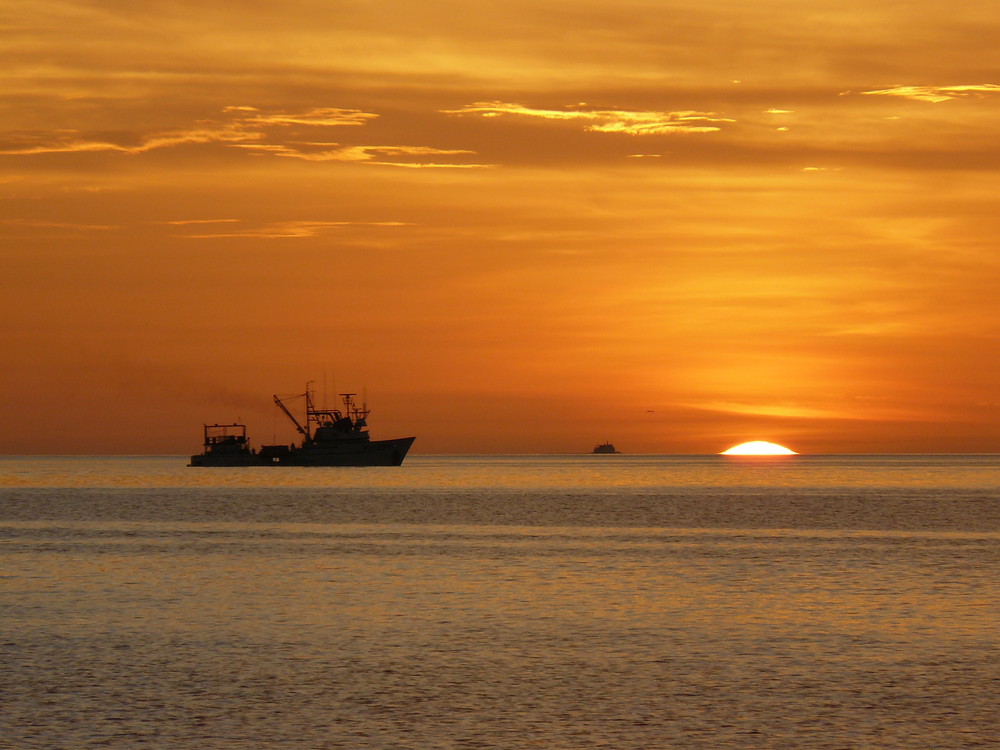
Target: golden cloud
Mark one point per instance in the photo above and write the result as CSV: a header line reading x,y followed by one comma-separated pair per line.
x,y
769,410
295,229
937,94
61,142
185,222
245,125
321,116
366,154
248,128
605,120
33,224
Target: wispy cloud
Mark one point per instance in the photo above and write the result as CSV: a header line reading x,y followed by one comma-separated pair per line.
x,y
29,144
629,122
35,224
238,125
321,116
368,154
295,229
937,93
768,410
186,222
61,142
248,128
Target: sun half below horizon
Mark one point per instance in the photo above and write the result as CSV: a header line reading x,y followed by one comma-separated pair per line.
x,y
758,448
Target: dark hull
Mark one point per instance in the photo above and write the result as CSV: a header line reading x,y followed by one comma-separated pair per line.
x,y
333,453
606,449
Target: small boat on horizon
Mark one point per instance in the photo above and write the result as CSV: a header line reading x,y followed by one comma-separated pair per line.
x,y
605,448
330,437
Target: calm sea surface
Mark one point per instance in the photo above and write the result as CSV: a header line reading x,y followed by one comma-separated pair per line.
x,y
501,602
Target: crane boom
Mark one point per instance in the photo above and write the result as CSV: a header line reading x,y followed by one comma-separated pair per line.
x,y
299,427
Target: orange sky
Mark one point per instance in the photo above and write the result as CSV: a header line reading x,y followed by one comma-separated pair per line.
x,y
521,226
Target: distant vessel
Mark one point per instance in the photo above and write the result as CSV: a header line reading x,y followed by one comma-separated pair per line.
x,y
330,437
605,448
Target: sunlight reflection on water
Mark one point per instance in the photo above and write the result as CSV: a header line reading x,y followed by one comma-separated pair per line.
x,y
499,602
530,472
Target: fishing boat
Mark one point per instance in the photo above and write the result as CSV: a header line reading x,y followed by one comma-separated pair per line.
x,y
330,437
605,448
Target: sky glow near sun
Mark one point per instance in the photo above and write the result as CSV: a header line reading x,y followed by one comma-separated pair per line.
x,y
611,221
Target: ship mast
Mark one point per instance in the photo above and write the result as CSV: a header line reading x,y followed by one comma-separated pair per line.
x,y
312,415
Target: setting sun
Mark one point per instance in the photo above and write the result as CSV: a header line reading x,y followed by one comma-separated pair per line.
x,y
758,448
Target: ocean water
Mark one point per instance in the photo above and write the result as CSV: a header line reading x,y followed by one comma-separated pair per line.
x,y
501,602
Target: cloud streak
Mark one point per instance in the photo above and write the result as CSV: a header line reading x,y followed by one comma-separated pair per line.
x,y
771,410
34,224
318,116
62,142
294,229
936,94
186,222
375,155
249,128
629,122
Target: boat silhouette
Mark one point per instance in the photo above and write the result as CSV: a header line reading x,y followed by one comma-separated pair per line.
x,y
605,448
330,437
